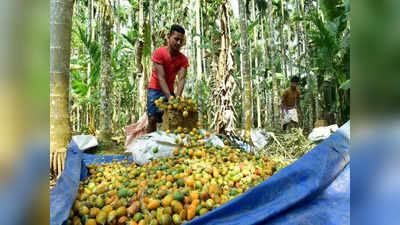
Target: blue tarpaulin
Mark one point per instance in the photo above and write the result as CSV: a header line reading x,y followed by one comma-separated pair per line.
x,y
313,190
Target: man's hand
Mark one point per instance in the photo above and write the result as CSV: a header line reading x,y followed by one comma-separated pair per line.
x,y
172,94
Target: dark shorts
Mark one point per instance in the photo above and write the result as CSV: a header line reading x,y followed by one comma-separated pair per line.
x,y
152,109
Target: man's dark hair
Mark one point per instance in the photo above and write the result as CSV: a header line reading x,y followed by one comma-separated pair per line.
x,y
177,28
295,79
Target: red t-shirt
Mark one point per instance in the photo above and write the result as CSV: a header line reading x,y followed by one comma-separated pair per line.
x,y
171,67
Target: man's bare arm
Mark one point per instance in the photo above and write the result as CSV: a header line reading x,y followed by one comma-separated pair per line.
x,y
161,79
181,83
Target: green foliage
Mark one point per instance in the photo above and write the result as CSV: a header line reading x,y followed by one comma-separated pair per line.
x,y
250,28
94,50
330,44
78,84
332,9
131,37
345,85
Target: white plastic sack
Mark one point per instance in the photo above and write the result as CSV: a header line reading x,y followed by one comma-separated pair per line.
x,y
142,147
85,141
321,133
290,115
259,139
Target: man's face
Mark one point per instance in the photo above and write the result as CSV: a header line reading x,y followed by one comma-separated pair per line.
x,y
293,85
176,40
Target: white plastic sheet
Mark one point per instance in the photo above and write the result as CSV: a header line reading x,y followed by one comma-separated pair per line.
x,y
142,147
85,141
259,139
321,133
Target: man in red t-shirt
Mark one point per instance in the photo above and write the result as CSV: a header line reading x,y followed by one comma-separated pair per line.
x,y
167,61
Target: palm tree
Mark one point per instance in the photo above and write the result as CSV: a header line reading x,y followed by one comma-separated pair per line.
x,y
139,55
60,48
244,69
104,134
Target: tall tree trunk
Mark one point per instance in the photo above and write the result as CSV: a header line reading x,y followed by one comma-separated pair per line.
x,y
275,99
83,120
151,24
303,45
89,106
105,119
264,65
60,49
289,65
193,41
266,108
198,32
202,29
114,117
118,23
78,122
257,75
299,39
149,40
266,57
139,55
245,70
275,96
283,41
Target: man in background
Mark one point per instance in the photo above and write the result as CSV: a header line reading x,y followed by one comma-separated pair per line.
x,y
291,110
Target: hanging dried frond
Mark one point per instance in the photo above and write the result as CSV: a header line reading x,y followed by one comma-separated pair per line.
x,y
224,86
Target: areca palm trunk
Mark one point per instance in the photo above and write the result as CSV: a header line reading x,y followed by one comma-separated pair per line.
x,y
202,21
60,48
198,50
267,61
255,44
265,65
283,41
304,41
89,106
245,71
198,32
275,96
139,55
193,39
105,119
